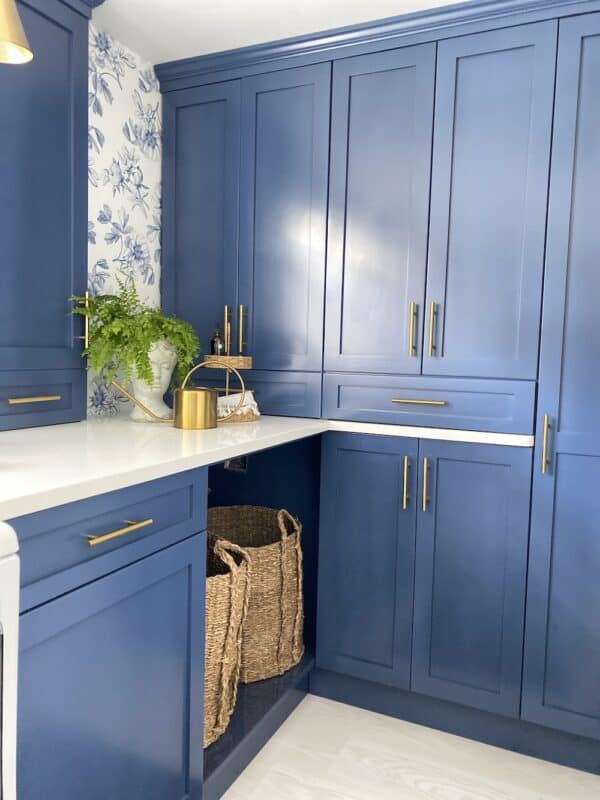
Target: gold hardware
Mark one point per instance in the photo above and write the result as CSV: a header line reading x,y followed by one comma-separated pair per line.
x,y
432,313
411,330
196,406
94,541
425,468
409,402
545,444
86,323
241,330
43,398
227,329
405,484
14,47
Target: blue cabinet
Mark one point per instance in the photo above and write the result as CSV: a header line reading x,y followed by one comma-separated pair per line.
x,y
562,645
200,206
366,556
492,133
43,195
283,208
119,664
470,574
382,119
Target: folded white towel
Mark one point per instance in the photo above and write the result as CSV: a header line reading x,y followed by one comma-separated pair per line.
x,y
227,403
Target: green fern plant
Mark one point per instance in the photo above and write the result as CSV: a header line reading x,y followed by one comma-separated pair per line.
x,y
122,331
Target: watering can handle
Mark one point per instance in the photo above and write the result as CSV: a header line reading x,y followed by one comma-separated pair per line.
x,y
229,368
156,417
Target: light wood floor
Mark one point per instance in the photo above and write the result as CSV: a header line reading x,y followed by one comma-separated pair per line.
x,y
330,751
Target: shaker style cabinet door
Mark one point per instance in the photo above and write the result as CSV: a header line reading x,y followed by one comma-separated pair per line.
x,y
43,192
493,118
119,663
200,206
562,643
366,555
283,207
471,568
382,119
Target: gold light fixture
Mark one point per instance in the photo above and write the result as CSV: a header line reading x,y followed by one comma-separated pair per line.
x,y
14,47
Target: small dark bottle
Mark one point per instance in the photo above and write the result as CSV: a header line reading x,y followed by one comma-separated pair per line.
x,y
217,344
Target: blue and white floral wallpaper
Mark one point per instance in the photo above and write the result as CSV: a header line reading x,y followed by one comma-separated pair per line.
x,y
124,182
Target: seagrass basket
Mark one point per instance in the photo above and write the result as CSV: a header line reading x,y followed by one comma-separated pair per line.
x,y
227,596
272,636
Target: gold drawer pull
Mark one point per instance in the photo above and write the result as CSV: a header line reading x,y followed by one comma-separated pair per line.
x,y
409,402
42,398
241,330
405,483
86,323
94,541
425,476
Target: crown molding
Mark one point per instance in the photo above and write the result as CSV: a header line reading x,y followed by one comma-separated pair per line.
x,y
329,44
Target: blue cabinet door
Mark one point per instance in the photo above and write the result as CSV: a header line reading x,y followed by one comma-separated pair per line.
x,y
562,645
366,555
119,664
43,196
200,206
471,566
283,196
492,133
382,119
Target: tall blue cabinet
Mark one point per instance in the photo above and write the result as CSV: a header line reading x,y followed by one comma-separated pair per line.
x,y
246,170
43,195
562,644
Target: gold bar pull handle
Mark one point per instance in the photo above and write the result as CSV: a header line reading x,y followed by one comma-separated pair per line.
x,y
545,444
412,350
226,329
86,323
42,398
431,346
425,481
407,401
241,330
405,483
94,541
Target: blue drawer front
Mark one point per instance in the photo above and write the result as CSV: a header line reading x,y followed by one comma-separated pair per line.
x,y
286,394
55,556
495,406
41,397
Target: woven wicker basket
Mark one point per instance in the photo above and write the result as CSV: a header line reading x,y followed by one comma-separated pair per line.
x,y
227,596
272,637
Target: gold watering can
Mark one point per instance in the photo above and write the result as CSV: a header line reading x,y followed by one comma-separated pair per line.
x,y
195,406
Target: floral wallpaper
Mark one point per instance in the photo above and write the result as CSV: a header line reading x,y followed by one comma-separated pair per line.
x,y
124,174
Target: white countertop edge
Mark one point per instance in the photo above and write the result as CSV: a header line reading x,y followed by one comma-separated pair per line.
x,y
440,434
62,464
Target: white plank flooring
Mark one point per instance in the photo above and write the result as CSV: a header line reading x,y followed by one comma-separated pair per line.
x,y
330,751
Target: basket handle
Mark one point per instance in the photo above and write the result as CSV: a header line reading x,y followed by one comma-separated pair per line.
x,y
224,550
285,520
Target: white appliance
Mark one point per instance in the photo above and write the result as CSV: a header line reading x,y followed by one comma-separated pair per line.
x,y
9,648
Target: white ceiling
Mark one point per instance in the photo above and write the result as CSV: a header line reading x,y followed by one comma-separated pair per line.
x,y
165,30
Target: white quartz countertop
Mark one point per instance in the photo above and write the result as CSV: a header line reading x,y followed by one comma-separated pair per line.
x,y
45,467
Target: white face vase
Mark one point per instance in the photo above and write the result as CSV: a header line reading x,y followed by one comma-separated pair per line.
x,y
163,358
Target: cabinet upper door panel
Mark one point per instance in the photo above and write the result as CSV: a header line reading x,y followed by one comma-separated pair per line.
x,y
382,120
200,215
283,191
562,644
43,192
493,119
